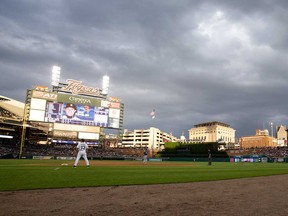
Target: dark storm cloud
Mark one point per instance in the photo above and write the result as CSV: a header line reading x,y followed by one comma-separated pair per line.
x,y
192,61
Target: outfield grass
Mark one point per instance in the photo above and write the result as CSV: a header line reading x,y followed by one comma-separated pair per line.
x,y
39,174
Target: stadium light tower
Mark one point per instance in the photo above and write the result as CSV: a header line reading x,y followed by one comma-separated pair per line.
x,y
105,85
55,75
272,133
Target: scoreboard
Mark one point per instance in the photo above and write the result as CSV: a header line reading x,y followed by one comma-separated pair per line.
x,y
51,107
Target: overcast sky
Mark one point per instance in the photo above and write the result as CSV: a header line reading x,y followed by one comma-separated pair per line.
x,y
192,61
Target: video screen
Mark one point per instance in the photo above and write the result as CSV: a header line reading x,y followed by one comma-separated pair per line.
x,y
53,112
80,114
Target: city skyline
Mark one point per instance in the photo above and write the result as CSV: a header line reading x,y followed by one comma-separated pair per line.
x,y
189,61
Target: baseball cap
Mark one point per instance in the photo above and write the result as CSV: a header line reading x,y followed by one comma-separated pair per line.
x,y
71,105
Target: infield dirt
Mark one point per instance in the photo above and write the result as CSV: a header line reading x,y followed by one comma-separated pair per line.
x,y
249,196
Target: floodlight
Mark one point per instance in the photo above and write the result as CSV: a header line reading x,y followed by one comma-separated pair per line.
x,y
55,75
105,85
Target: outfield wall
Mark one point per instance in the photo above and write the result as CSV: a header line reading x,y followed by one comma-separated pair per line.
x,y
195,159
232,159
257,159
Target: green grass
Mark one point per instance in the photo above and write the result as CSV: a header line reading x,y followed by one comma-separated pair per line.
x,y
39,174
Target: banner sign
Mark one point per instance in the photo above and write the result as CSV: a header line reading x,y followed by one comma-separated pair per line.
x,y
76,87
68,98
65,127
50,96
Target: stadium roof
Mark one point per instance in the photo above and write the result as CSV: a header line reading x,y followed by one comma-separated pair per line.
x,y
212,123
13,106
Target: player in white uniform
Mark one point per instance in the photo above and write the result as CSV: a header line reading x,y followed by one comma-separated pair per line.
x,y
82,147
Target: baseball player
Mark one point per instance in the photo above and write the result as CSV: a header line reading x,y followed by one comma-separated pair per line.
x,y
82,147
145,156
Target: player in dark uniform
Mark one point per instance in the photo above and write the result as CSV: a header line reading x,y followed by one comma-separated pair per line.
x,y
145,156
209,158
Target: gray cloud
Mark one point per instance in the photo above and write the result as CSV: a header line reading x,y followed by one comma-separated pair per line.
x,y
192,61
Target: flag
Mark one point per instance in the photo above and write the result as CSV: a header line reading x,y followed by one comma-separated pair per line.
x,y
152,114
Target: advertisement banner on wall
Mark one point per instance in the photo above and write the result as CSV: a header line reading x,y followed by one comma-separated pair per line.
x,y
82,128
115,105
50,96
75,99
111,143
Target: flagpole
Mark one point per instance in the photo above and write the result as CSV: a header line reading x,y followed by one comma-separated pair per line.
x,y
152,142
152,114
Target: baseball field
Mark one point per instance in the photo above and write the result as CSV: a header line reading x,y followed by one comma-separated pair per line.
x,y
40,174
54,187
